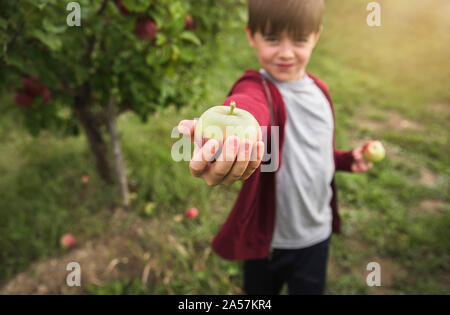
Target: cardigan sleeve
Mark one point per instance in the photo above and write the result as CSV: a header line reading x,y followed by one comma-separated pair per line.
x,y
249,96
343,160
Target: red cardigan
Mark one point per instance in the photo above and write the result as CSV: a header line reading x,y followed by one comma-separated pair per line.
x,y
247,232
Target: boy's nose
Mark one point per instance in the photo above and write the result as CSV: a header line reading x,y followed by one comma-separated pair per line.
x,y
286,51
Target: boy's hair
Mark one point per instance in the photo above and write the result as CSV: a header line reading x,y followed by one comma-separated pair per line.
x,y
299,17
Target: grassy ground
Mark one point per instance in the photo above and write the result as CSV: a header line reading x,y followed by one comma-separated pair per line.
x,y
387,83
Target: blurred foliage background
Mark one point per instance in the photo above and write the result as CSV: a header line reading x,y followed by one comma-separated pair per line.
x,y
387,82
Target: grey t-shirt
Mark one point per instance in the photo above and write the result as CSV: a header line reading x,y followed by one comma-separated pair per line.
x,y
303,191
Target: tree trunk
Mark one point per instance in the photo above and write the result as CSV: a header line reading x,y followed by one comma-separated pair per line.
x,y
96,142
119,164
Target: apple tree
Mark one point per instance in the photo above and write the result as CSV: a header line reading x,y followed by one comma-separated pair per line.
x,y
75,66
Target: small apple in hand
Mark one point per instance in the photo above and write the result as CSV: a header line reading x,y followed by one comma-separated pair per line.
x,y
221,122
191,213
67,240
373,151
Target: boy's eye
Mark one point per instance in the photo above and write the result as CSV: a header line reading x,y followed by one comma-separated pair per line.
x,y
271,39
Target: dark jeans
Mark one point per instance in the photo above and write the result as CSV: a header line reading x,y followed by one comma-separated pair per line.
x,y
304,271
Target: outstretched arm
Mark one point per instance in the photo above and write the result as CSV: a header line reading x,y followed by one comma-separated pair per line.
x,y
351,161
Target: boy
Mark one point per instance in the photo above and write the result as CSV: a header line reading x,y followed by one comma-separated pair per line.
x,y
281,223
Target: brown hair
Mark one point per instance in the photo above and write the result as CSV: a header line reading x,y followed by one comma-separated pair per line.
x,y
299,17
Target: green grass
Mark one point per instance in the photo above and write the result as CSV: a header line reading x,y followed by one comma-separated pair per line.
x,y
371,73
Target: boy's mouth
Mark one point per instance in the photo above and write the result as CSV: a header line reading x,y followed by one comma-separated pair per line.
x,y
285,66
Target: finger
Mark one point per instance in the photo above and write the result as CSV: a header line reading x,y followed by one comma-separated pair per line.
x,y
255,160
187,128
355,168
259,134
218,170
230,149
239,167
364,167
357,154
202,157
358,168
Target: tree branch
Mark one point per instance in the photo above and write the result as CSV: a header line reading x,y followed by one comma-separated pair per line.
x,y
119,163
16,35
102,7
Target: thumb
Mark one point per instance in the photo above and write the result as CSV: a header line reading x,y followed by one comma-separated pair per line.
x,y
357,154
202,156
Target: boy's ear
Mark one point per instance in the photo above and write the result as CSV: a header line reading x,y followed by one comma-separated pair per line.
x,y
317,35
250,38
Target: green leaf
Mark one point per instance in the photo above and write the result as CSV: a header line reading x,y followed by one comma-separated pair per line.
x,y
3,23
15,61
51,28
151,57
191,37
187,54
164,54
40,6
161,39
136,5
170,71
52,41
175,52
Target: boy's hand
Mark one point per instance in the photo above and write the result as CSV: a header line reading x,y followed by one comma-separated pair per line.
x,y
237,161
360,165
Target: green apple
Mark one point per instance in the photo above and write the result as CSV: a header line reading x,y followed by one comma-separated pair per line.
x,y
373,151
221,122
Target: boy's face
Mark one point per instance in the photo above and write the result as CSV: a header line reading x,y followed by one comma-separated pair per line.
x,y
284,58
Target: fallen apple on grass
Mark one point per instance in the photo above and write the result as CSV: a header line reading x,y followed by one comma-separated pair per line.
x,y
67,240
221,122
84,179
150,208
373,151
191,213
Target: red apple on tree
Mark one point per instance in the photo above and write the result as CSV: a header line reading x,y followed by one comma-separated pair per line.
x,y
373,151
146,28
22,98
34,87
46,95
189,23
